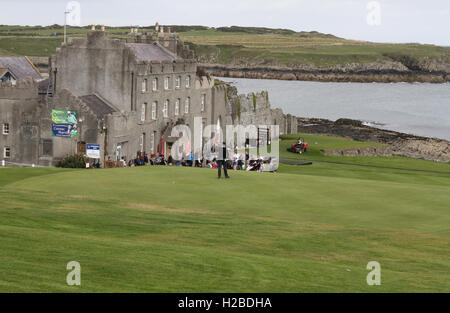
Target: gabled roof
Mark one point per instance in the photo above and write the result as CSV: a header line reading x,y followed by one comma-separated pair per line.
x,y
4,71
99,106
21,67
151,52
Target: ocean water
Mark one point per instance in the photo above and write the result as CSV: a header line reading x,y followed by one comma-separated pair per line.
x,y
416,108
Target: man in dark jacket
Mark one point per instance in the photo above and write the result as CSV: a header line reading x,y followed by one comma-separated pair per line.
x,y
222,161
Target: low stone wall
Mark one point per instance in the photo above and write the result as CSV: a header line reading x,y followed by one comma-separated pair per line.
x,y
428,149
363,151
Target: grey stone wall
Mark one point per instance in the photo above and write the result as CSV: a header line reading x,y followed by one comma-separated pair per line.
x,y
20,107
95,64
90,126
255,109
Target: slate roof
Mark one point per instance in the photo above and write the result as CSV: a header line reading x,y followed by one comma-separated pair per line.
x,y
151,52
20,67
3,71
97,105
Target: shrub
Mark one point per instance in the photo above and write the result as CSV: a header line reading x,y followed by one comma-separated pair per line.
x,y
72,161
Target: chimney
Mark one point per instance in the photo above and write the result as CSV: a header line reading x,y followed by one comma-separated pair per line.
x,y
92,27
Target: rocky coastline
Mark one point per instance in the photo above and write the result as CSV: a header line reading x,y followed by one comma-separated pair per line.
x,y
394,143
382,72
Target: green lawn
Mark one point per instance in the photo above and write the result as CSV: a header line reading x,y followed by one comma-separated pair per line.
x,y
170,229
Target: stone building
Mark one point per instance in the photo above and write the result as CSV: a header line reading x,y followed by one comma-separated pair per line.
x,y
15,68
128,94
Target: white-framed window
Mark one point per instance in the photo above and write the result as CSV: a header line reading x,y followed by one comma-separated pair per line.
x,y
202,102
178,82
187,104
166,83
154,107
155,84
188,81
144,85
166,108
142,142
152,143
5,129
143,111
177,107
6,152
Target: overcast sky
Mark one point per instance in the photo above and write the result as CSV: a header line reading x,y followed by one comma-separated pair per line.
x,y
424,21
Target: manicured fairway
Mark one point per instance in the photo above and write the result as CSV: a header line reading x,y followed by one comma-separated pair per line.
x,y
171,229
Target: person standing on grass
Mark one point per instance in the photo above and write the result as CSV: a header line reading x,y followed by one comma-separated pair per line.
x,y
222,161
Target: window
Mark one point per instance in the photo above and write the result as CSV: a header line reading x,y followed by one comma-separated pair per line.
x,y
143,109
142,142
154,105
178,82
203,100
152,143
144,85
187,103
166,109
177,107
188,81
155,84
47,147
166,83
6,129
6,152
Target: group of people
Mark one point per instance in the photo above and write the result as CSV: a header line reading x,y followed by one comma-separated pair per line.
x,y
143,159
219,160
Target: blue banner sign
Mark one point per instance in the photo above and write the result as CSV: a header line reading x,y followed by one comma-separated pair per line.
x,y
64,130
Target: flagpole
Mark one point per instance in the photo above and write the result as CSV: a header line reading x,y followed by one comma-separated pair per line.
x,y
65,24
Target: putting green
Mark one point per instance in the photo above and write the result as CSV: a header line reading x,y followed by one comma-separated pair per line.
x,y
173,229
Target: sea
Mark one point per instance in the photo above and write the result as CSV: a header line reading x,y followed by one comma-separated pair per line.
x,y
421,109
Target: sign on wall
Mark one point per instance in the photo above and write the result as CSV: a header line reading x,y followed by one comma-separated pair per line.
x,y
64,130
64,117
64,123
93,151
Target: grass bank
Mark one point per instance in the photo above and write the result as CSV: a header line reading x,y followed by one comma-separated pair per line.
x,y
167,229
